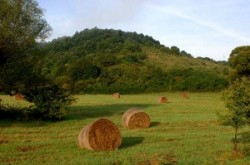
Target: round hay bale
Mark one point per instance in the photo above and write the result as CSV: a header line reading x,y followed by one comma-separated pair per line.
x,y
18,96
134,118
116,95
162,99
185,95
100,135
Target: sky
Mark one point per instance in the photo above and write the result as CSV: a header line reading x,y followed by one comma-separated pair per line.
x,y
203,28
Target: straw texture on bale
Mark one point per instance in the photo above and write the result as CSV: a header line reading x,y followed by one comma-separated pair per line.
x,y
135,118
163,99
116,95
100,135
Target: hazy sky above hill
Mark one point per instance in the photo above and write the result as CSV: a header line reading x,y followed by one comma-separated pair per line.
x,y
206,28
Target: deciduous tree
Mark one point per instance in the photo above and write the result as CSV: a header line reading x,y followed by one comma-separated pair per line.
x,y
21,25
237,101
240,61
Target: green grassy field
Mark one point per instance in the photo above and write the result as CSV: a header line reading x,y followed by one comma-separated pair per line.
x,y
184,131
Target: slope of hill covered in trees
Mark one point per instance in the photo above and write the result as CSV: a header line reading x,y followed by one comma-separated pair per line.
x,y
106,61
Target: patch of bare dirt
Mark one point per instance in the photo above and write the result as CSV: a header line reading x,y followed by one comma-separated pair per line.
x,y
29,148
3,141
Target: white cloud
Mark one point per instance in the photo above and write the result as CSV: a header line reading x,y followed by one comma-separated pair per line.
x,y
207,24
69,17
204,28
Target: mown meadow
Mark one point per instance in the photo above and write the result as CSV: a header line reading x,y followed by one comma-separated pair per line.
x,y
183,131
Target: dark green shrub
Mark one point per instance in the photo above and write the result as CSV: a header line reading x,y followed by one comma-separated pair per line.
x,y
194,80
17,113
50,101
84,70
131,59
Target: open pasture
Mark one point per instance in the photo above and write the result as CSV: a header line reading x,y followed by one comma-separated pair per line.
x,y
182,131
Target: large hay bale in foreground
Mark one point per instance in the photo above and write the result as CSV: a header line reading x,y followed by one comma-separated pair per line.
x,y
100,135
116,95
135,118
162,99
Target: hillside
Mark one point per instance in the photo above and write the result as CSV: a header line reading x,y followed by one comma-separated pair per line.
x,y
107,61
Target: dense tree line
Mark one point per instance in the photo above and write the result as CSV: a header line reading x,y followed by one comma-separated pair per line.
x,y
106,61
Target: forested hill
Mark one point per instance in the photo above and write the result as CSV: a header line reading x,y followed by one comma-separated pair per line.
x,y
106,61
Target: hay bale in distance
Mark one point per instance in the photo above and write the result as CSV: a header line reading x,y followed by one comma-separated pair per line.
x,y
185,95
100,135
163,99
116,95
135,118
18,96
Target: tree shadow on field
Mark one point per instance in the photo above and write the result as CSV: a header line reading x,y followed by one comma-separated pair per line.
x,y
82,112
130,141
245,140
154,124
28,124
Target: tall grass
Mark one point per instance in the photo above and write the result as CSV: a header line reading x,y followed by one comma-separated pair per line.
x,y
184,131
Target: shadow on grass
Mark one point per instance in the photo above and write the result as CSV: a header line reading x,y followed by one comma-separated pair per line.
x,y
9,123
130,141
245,140
82,112
245,137
154,124
79,113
